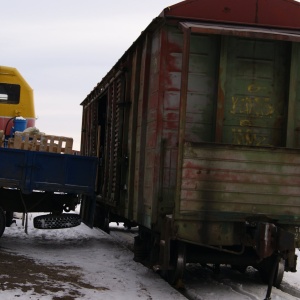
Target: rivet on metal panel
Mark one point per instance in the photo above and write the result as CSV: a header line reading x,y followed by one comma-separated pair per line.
x,y
226,9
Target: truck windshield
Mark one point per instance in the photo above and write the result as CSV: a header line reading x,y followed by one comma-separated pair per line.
x,y
9,93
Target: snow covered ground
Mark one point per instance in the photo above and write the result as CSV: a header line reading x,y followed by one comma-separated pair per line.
x,y
83,263
230,284
76,263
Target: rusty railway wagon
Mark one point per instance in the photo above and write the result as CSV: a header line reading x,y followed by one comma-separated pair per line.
x,y
197,131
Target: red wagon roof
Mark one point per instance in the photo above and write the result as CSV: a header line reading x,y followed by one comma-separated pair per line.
x,y
267,13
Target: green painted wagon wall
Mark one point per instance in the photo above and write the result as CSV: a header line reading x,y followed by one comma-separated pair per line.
x,y
202,88
224,186
293,124
256,92
223,180
251,165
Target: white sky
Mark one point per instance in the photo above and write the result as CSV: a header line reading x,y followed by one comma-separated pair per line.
x,y
64,48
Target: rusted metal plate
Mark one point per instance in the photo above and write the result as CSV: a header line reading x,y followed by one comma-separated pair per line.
x,y
275,13
210,233
170,90
234,183
242,31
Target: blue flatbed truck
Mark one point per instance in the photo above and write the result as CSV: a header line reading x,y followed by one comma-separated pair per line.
x,y
36,181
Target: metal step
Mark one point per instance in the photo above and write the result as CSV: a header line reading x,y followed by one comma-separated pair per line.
x,y
56,221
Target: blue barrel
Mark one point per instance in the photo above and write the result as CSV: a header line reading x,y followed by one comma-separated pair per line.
x,y
19,124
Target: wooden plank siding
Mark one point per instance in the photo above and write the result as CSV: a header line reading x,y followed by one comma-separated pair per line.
x,y
236,182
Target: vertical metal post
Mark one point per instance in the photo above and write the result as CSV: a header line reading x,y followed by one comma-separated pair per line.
x,y
182,112
293,134
133,120
272,276
144,94
221,90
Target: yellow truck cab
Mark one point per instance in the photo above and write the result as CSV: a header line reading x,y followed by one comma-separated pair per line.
x,y
16,99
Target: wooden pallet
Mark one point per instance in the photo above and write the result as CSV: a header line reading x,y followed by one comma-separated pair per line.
x,y
41,142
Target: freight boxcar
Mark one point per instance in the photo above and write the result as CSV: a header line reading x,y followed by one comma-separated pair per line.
x,y
197,131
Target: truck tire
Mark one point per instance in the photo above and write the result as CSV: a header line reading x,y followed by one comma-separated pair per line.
x,y
2,221
53,221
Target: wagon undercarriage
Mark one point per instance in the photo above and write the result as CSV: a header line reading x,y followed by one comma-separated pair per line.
x,y
264,246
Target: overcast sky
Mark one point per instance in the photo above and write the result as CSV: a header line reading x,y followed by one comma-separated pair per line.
x,y
64,48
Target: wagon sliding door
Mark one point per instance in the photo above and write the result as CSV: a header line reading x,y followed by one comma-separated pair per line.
x,y
253,97
243,168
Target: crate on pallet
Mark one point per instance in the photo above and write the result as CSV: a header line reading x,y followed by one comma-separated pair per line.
x,y
41,142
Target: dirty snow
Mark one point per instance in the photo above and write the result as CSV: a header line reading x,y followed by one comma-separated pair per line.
x,y
83,263
104,268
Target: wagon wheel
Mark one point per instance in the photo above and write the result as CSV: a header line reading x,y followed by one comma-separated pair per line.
x,y
101,218
265,271
104,221
2,221
106,224
177,265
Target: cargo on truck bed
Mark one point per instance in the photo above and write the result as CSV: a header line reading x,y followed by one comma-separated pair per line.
x,y
41,142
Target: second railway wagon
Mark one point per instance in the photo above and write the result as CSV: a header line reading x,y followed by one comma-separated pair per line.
x,y
197,131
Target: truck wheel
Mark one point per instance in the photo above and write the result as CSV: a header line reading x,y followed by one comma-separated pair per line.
x,y
53,221
2,221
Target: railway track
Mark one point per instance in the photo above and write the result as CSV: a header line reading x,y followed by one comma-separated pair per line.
x,y
204,283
